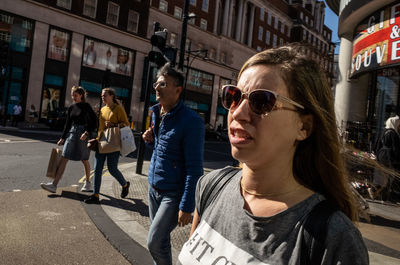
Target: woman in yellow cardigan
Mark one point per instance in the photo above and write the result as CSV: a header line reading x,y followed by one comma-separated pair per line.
x,y
111,115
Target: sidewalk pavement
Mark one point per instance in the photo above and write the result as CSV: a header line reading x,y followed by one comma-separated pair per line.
x,y
131,216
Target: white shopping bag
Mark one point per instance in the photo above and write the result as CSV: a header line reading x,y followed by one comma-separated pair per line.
x,y
127,141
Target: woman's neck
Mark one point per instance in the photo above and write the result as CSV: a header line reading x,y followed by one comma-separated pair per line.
x,y
270,181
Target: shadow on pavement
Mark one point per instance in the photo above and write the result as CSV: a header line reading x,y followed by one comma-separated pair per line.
x,y
70,195
137,205
381,221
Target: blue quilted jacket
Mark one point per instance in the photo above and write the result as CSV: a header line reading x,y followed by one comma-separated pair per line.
x,y
177,160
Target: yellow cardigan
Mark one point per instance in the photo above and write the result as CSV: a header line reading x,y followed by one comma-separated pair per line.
x,y
115,114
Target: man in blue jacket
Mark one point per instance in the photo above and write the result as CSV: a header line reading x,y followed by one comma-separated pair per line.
x,y
177,137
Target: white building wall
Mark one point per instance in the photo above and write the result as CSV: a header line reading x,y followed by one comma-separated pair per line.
x,y
37,65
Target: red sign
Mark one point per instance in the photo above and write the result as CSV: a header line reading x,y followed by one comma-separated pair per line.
x,y
377,41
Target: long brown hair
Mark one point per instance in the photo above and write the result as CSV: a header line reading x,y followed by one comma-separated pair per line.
x,y
111,92
318,163
80,91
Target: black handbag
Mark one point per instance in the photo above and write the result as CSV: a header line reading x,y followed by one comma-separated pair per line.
x,y
93,145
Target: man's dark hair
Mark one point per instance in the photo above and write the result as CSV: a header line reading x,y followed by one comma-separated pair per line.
x,y
168,70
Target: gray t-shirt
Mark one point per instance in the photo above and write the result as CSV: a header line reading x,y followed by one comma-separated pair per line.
x,y
228,234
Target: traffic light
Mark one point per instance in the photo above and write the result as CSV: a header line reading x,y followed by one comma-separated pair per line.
x,y
156,55
170,53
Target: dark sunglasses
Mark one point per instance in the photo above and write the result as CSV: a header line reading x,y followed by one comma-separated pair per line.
x,y
162,84
261,101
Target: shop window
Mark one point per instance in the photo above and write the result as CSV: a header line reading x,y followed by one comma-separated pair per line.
x,y
163,6
133,21
178,12
51,104
89,8
58,48
112,14
387,96
64,4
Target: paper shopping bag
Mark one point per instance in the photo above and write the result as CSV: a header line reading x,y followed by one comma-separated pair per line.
x,y
127,141
54,160
110,141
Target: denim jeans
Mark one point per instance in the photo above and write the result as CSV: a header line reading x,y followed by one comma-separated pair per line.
x,y
163,210
112,166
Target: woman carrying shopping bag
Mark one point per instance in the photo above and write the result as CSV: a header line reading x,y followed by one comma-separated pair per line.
x,y
81,122
112,117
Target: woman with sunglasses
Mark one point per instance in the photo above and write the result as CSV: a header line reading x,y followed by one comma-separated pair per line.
x,y
291,202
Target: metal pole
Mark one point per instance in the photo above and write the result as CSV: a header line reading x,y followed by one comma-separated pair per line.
x,y
187,71
183,34
142,145
8,81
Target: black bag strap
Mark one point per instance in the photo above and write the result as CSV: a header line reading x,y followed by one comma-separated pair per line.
x,y
213,187
315,232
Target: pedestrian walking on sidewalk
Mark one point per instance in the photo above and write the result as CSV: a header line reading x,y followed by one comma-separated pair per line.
x,y
177,137
111,115
17,111
79,127
290,203
387,151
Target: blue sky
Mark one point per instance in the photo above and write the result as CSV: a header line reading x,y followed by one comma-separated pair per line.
x,y
331,20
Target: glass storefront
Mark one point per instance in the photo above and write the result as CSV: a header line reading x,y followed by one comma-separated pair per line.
x,y
387,95
16,35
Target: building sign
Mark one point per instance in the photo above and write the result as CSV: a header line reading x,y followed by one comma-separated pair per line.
x,y
377,41
104,56
58,45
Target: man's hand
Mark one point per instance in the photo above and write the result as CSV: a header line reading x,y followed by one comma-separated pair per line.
x,y
148,135
184,218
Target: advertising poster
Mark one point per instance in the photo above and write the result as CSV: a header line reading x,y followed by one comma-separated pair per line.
x,y
376,43
102,56
58,45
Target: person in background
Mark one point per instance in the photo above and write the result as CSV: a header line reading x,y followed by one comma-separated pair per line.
x,y
32,115
17,111
111,115
291,202
45,103
387,153
79,126
177,137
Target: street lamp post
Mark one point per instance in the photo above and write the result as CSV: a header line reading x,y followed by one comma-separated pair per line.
x,y
183,34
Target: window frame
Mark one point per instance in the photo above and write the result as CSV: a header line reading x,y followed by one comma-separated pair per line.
x,y
164,3
60,3
202,20
95,8
177,8
131,11
110,3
